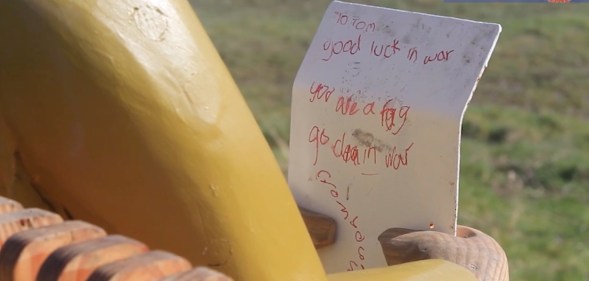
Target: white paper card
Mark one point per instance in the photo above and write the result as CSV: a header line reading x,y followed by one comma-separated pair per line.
x,y
377,108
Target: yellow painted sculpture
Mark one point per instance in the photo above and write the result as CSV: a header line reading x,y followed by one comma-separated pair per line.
x,y
122,113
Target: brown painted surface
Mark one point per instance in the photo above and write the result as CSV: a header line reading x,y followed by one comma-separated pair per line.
x,y
76,262
23,254
321,228
149,266
18,221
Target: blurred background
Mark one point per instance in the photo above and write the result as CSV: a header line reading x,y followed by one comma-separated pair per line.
x,y
525,139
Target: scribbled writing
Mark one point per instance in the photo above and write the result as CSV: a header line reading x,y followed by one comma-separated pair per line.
x,y
358,41
355,262
348,150
355,22
349,46
385,50
320,91
393,117
440,56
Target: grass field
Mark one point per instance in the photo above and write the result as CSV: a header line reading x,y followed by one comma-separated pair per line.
x,y
525,149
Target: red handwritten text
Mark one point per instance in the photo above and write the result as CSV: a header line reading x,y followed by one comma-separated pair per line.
x,y
346,106
412,54
320,91
439,56
356,22
317,137
350,46
352,153
349,106
385,50
364,154
395,160
355,262
393,117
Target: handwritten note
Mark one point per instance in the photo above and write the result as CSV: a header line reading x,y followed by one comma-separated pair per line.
x,y
376,113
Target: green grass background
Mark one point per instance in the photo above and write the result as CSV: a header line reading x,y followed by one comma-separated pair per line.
x,y
525,143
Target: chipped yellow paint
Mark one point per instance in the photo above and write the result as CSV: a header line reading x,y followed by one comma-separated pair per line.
x,y
426,270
